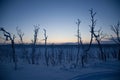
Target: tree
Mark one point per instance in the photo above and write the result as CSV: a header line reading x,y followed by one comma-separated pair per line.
x,y
116,39
11,38
36,29
96,34
116,30
46,54
21,34
78,41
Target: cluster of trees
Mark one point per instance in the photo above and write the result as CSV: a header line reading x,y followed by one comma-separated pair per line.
x,y
98,36
11,37
80,57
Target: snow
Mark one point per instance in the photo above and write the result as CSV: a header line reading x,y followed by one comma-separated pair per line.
x,y
105,75
94,69
102,71
109,70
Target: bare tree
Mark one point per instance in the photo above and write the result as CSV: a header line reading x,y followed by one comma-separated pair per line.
x,y
116,39
36,29
46,54
116,30
96,34
11,38
25,53
20,34
80,43
78,39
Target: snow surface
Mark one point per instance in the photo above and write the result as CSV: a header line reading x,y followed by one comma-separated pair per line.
x,y
94,69
109,70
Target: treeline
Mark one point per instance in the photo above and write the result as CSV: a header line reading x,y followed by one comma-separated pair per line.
x,y
59,45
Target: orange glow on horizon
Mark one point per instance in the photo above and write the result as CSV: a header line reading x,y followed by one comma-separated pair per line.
x,y
58,41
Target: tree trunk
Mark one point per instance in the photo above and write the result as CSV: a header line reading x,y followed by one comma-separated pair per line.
x,y
33,54
14,55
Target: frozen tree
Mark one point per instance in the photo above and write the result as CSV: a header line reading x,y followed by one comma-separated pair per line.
x,y
11,38
116,39
78,41
46,54
21,34
96,34
36,29
116,30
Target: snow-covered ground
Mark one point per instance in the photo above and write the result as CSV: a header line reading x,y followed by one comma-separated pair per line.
x,y
109,70
94,69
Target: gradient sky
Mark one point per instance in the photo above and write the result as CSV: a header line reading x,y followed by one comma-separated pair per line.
x,y
58,17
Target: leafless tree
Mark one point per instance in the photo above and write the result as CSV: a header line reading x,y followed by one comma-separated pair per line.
x,y
20,34
46,54
116,39
96,34
80,43
11,38
116,30
36,29
78,39
25,53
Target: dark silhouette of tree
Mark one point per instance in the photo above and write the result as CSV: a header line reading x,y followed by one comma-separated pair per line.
x,y
116,39
80,43
46,54
11,38
96,34
78,38
36,29
116,30
20,34
25,53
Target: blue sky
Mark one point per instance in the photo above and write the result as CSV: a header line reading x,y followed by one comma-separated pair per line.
x,y
58,17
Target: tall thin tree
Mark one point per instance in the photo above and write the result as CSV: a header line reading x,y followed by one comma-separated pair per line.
x,y
98,35
116,30
78,41
116,38
21,34
46,54
36,29
11,38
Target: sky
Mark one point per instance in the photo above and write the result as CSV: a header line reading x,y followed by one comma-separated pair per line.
x,y
58,17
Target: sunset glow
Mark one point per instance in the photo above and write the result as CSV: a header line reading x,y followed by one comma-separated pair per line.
x,y
58,17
